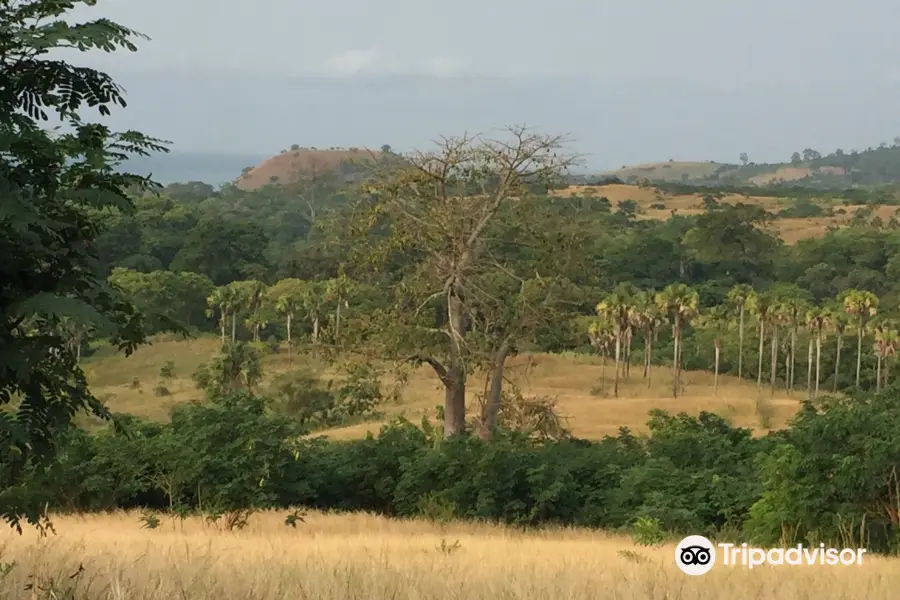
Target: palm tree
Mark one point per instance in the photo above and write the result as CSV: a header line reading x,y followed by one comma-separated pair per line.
x,y
679,303
313,296
617,308
839,322
738,297
222,300
778,317
862,306
760,304
287,297
716,320
891,341
885,346
602,337
795,302
817,321
648,319
337,290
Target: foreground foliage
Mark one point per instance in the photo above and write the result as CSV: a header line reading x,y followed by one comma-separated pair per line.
x,y
829,478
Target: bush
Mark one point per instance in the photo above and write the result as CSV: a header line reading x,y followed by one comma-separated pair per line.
x,y
829,478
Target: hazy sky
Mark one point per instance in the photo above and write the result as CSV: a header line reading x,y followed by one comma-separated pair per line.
x,y
631,80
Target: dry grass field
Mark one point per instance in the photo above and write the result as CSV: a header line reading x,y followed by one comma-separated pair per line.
x,y
567,377
790,230
357,556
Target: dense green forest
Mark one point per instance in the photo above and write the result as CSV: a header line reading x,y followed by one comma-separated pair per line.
x,y
456,259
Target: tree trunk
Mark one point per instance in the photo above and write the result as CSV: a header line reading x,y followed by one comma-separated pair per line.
x,y
627,352
793,359
774,372
455,381
492,407
224,322
290,354
233,326
878,374
859,339
618,358
741,345
809,368
716,375
762,346
837,362
603,372
337,321
454,402
316,328
649,360
675,334
646,353
818,361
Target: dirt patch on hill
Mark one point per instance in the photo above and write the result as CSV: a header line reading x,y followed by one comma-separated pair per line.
x,y
288,167
783,174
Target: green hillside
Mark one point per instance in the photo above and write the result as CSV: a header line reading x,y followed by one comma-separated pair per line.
x,y
807,168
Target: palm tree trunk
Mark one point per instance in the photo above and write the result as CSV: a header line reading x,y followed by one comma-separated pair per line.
x,y
837,362
818,361
716,375
859,337
762,345
626,352
290,354
337,321
741,345
618,358
233,326
603,372
793,360
224,321
878,375
676,332
774,372
809,367
649,359
646,353
316,328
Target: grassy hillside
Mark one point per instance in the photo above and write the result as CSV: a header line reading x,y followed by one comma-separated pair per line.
x,y
571,378
656,204
291,165
873,166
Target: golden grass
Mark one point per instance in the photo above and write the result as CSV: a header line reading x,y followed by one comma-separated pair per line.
x,y
789,230
568,377
358,556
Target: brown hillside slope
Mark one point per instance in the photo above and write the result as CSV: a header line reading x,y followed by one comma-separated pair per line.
x,y
790,230
288,166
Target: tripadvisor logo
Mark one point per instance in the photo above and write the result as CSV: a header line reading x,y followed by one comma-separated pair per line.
x,y
696,555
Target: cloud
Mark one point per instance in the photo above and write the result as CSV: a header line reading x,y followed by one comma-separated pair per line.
x,y
352,62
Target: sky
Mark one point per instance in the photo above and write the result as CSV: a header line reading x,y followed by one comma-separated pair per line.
x,y
629,80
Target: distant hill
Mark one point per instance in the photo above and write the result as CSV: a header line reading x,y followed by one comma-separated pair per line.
x,y
291,165
809,168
